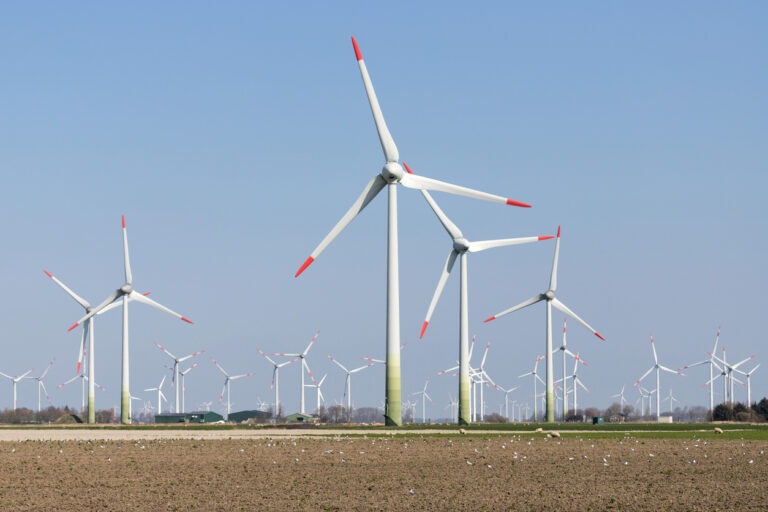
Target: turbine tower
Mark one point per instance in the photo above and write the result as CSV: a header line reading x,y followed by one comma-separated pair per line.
x,y
126,292
551,300
659,368
227,380
175,369
304,367
348,381
41,385
390,176
276,379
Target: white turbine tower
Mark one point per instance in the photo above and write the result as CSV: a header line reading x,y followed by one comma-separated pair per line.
x,y
424,398
551,300
304,367
175,369
348,380
392,174
160,395
461,247
126,292
729,370
41,385
575,384
15,380
659,368
227,380
536,379
276,379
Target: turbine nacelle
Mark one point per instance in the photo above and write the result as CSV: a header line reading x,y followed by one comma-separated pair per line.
x,y
549,295
392,172
126,289
461,245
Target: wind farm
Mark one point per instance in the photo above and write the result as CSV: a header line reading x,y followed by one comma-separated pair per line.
x,y
245,147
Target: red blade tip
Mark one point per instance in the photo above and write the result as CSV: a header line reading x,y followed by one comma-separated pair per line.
x,y
407,168
186,319
558,231
489,319
48,273
512,202
357,49
304,266
599,336
423,329
123,217
78,368
547,237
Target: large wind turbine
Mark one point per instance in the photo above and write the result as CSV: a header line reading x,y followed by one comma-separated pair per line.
x,y
15,380
390,176
461,247
658,367
88,334
712,364
551,300
176,361
276,379
348,380
304,367
126,292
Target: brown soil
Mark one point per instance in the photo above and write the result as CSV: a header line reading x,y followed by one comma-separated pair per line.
x,y
489,472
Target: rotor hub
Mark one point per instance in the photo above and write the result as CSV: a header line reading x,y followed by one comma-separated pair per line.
x,y
550,294
126,288
461,245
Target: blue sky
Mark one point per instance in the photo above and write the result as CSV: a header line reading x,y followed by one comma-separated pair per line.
x,y
234,136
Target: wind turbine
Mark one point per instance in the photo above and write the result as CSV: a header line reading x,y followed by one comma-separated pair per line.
x,y
620,396
392,174
176,361
41,385
506,400
712,364
304,367
276,379
461,247
348,380
182,377
551,300
748,375
564,350
729,369
126,292
671,400
658,367
88,334
227,379
15,380
576,383
83,379
320,396
536,378
160,395
424,398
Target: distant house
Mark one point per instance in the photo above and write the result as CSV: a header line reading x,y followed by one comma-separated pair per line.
x,y
189,417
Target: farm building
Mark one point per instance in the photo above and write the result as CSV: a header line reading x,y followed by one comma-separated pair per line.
x,y
189,417
299,418
256,415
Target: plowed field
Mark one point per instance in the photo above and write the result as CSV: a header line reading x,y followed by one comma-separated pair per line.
x,y
383,472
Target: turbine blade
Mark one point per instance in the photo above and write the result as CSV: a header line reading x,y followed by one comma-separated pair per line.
x,y
453,231
146,300
553,277
387,142
491,244
309,345
653,346
369,192
533,300
439,290
106,302
419,182
84,303
645,375
562,307
128,275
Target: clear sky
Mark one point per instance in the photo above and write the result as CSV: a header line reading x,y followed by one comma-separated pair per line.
x,y
234,135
